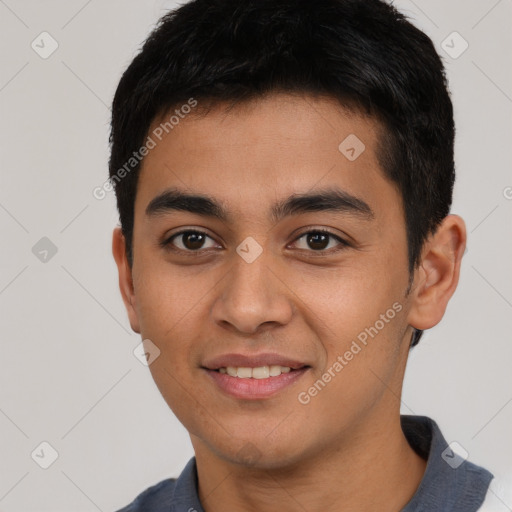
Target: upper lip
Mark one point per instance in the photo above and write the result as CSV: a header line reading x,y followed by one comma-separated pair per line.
x,y
252,361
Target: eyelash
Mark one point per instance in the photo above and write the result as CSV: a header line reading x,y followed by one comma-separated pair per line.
x,y
167,243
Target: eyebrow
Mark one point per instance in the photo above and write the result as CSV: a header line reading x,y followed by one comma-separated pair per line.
x,y
327,200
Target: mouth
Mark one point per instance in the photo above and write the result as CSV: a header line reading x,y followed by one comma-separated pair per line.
x,y
260,372
251,382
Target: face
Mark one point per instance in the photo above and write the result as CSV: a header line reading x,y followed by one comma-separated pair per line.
x,y
293,261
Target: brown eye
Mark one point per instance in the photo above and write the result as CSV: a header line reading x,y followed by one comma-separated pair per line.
x,y
188,240
319,240
192,240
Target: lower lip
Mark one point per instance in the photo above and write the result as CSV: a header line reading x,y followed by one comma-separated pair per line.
x,y
255,389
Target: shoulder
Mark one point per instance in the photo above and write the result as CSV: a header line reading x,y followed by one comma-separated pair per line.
x,y
156,498
499,494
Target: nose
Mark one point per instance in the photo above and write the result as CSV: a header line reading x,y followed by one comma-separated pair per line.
x,y
252,295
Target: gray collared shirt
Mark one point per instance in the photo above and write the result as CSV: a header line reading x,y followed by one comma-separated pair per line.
x,y
450,484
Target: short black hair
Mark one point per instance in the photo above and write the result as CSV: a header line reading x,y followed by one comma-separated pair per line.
x,y
364,53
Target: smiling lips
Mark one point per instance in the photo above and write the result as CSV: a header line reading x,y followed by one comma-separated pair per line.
x,y
254,377
260,372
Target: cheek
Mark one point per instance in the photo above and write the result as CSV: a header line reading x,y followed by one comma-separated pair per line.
x,y
182,395
171,313
166,295
363,365
351,298
360,317
173,310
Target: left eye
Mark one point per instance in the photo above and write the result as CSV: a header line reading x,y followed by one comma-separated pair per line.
x,y
190,240
319,240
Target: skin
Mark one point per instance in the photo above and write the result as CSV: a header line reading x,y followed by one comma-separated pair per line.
x,y
345,447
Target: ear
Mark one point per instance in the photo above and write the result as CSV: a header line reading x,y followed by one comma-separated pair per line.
x,y
437,276
125,277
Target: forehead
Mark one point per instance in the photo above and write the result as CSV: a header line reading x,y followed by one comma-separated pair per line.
x,y
264,149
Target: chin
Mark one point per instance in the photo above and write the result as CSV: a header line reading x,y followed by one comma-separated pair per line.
x,y
262,454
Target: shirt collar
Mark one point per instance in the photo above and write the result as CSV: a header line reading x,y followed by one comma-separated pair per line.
x,y
450,483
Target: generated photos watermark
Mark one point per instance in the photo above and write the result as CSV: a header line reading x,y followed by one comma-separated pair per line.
x,y
305,397
158,133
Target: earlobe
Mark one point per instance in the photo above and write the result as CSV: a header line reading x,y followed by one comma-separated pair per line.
x,y
437,276
125,277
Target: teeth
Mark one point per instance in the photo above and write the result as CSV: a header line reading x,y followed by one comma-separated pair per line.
x,y
276,370
261,372
244,373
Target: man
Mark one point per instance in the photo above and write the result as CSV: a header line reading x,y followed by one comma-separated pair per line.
x,y
284,173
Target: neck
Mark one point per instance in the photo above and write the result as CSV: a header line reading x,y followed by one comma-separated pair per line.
x,y
374,468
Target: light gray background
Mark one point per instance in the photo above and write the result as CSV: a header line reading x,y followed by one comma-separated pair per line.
x,y
68,375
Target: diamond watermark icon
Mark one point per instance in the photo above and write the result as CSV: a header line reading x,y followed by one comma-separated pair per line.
x,y
44,45
44,250
454,455
249,249
44,455
249,454
146,352
454,45
352,147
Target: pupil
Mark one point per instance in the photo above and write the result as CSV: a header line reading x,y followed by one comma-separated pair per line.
x,y
193,240
318,240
